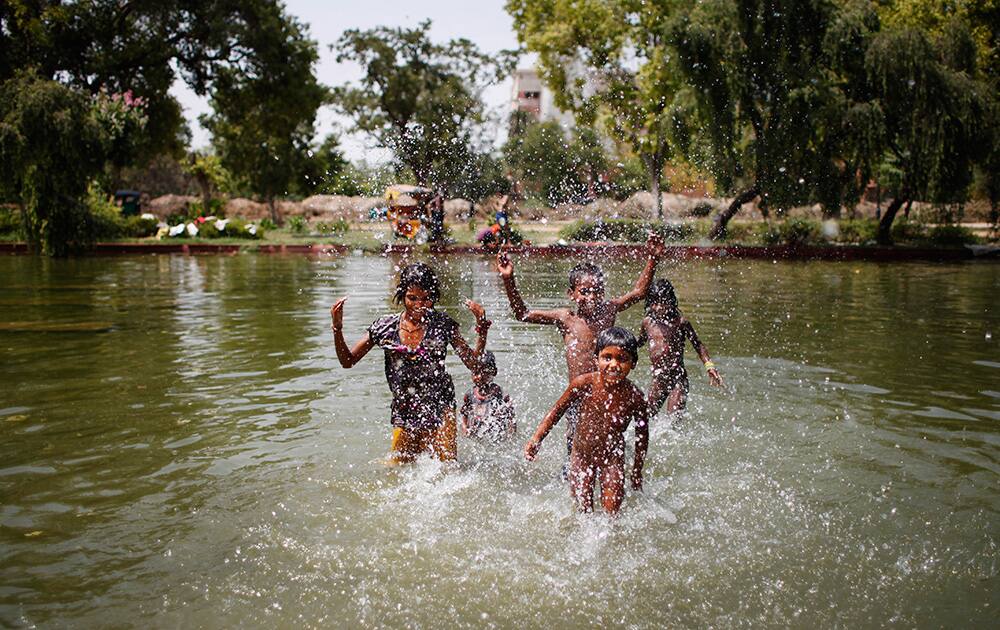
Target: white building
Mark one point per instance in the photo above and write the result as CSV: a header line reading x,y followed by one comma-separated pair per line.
x,y
529,94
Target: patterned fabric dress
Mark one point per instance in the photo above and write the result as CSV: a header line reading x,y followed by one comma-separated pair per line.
x,y
421,388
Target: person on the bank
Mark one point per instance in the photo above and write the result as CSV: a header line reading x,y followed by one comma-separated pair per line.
x,y
415,343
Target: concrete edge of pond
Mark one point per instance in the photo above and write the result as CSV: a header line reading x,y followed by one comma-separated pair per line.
x,y
613,250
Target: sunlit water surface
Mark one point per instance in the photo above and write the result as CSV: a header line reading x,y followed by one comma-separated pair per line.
x,y
180,448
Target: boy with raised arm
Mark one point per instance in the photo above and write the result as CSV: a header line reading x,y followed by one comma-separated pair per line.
x,y
593,314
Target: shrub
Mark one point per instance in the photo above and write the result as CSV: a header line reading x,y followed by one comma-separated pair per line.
x,y
801,232
627,230
334,228
10,222
740,232
267,224
954,235
768,234
857,230
297,225
701,209
908,231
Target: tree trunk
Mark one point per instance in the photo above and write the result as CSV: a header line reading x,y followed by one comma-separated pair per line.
x,y
719,229
273,208
884,235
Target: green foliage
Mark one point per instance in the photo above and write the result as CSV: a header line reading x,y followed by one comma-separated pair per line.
x,y
338,227
325,169
297,225
857,230
908,231
793,232
51,146
554,166
628,230
951,235
622,42
11,225
701,209
420,99
264,108
108,222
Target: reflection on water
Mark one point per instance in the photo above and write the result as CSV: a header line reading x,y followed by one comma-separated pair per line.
x,y
181,448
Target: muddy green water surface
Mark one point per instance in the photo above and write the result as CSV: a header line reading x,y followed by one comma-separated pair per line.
x,y
180,448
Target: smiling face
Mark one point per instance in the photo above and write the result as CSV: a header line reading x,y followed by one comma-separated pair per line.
x,y
588,293
416,302
614,363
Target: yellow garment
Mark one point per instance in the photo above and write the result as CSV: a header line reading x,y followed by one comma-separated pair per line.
x,y
441,442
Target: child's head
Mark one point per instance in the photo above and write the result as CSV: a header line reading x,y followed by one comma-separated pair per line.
x,y
486,371
661,300
586,286
617,353
417,288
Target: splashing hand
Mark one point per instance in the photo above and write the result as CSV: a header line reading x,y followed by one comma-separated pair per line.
x,y
504,265
337,313
655,246
476,309
714,377
531,449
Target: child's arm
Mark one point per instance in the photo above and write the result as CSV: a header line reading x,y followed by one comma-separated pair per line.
x,y
521,312
348,357
464,412
655,249
641,443
643,332
482,325
713,374
574,391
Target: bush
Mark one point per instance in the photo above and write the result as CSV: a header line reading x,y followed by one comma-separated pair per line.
x,y
701,209
857,230
335,228
267,224
801,232
740,232
768,234
297,225
953,235
11,225
908,231
627,230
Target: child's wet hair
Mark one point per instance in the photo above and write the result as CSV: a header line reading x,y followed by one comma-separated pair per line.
x,y
487,364
583,270
661,292
621,337
417,275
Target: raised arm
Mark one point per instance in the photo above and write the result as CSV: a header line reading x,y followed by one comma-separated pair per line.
x,y
521,312
641,443
482,325
643,336
654,250
713,374
348,357
576,389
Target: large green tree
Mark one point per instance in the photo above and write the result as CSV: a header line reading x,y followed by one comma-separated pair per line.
x,y
264,106
770,97
420,99
558,166
609,62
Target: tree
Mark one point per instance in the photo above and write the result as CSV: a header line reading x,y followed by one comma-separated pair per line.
x,y
769,97
934,113
562,169
325,167
609,62
419,99
51,146
264,107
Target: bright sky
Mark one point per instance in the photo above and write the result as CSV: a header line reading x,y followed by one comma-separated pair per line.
x,y
484,22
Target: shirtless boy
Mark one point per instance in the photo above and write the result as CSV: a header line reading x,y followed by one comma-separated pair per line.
x,y
666,330
593,313
607,402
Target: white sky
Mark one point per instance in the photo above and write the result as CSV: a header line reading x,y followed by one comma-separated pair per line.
x,y
484,22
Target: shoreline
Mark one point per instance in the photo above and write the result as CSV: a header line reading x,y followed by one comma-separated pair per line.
x,y
575,250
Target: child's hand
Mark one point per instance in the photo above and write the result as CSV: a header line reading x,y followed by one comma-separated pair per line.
x,y
337,313
637,480
504,266
714,377
531,449
477,309
655,246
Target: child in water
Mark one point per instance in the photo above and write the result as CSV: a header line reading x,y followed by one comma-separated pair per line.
x,y
666,330
415,343
487,413
607,402
593,314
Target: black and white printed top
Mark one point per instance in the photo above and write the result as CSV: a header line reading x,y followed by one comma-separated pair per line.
x,y
421,388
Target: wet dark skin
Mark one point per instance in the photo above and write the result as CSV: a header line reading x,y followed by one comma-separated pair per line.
x,y
608,403
666,331
593,313
416,303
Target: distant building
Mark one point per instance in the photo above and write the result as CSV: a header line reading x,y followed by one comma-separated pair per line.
x,y
529,95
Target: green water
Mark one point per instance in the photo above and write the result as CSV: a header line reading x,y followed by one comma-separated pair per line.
x,y
180,448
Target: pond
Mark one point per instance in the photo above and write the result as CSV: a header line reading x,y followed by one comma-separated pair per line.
x,y
180,448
